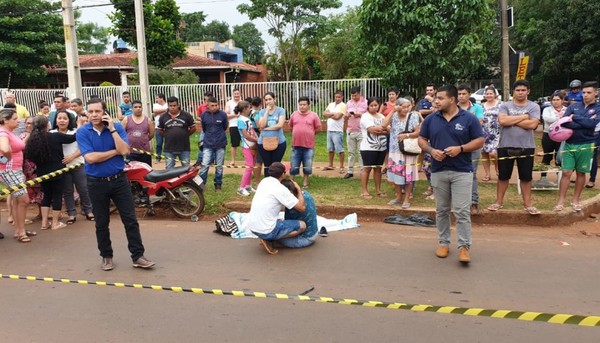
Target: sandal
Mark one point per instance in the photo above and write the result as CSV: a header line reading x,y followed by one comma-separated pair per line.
x,y
367,196
90,217
23,239
486,178
394,202
10,220
559,208
45,227
589,185
576,207
59,226
342,170
28,221
381,194
532,210
494,207
328,168
71,220
268,247
31,233
405,205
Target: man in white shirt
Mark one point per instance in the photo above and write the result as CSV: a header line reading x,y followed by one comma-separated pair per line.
x,y
335,130
263,219
159,108
233,117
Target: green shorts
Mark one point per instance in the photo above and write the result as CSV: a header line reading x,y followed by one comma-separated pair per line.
x,y
578,157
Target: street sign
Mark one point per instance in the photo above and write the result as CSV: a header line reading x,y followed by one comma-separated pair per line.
x,y
511,18
522,69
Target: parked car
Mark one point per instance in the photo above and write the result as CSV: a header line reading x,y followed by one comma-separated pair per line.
x,y
478,95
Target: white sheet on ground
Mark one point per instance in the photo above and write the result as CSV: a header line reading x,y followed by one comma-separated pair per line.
x,y
349,222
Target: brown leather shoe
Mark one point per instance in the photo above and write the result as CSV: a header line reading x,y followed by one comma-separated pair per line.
x,y
463,255
143,262
107,264
442,251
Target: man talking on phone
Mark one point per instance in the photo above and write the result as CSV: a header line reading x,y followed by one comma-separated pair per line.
x,y
103,143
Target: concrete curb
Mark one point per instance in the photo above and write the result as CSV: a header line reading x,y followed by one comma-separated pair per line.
x,y
501,217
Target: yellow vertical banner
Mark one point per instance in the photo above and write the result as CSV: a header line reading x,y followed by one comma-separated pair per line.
x,y
522,70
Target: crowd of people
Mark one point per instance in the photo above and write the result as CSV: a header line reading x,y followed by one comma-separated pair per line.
x,y
445,135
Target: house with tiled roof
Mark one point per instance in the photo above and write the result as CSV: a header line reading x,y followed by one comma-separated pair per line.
x,y
115,67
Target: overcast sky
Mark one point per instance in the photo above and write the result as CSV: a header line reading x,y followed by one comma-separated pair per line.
x,y
221,10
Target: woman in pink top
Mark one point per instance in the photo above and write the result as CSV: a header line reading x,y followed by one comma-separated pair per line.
x,y
11,170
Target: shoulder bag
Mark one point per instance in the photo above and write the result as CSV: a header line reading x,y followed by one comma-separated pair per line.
x,y
409,146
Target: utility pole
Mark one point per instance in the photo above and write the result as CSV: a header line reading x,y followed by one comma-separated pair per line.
x,y
505,61
142,60
73,70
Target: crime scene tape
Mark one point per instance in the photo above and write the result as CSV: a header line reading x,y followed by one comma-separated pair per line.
x,y
554,318
139,151
11,189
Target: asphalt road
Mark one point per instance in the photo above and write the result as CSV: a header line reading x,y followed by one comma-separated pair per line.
x,y
528,269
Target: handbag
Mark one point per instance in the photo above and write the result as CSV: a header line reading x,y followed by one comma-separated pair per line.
x,y
225,226
409,146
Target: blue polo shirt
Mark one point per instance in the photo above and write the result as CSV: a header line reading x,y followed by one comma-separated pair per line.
x,y
214,126
89,140
424,104
585,119
575,96
460,130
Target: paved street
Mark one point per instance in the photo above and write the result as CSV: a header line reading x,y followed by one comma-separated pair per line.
x,y
528,269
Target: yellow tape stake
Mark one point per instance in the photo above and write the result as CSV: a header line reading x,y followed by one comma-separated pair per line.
x,y
480,312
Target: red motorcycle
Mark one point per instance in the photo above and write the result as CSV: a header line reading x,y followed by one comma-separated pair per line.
x,y
180,189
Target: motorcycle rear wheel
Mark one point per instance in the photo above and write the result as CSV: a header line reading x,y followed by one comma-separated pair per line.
x,y
189,200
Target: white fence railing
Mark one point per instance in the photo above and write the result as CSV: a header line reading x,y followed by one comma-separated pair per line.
x,y
190,97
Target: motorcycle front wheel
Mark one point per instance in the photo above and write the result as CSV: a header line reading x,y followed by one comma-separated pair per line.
x,y
188,201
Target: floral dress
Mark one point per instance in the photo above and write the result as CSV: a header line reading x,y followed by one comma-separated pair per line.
x,y
402,169
491,128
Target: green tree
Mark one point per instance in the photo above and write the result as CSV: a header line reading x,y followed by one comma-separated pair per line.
x,y
562,36
217,31
248,38
91,38
167,76
288,20
192,29
342,49
161,24
420,41
32,37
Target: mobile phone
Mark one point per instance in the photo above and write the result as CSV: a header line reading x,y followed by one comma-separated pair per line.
x,y
352,113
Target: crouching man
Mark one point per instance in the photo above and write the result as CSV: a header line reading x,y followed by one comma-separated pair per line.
x,y
270,198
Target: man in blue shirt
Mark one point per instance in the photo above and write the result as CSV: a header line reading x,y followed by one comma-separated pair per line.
x,y
102,144
450,135
126,107
465,103
425,105
578,150
575,94
214,125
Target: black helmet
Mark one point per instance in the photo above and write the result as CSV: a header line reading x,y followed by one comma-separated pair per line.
x,y
575,84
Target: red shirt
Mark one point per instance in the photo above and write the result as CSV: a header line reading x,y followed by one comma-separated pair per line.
x,y
304,127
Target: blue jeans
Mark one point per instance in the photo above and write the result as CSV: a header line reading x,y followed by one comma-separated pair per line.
x,y
119,191
200,139
298,241
281,229
210,156
453,192
304,156
159,144
184,157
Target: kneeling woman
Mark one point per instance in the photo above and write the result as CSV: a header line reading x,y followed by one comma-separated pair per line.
x,y
46,151
309,216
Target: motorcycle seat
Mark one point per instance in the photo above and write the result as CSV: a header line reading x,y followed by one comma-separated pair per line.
x,y
160,175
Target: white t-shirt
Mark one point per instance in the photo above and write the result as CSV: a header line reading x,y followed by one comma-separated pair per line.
x,y
268,200
371,142
157,107
332,124
70,148
231,104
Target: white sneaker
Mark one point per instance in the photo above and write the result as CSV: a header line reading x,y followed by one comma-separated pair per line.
x,y
251,189
243,192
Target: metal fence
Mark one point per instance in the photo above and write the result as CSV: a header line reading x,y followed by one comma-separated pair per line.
x,y
190,97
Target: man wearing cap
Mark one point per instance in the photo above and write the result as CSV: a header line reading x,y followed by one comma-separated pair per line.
x,y
263,219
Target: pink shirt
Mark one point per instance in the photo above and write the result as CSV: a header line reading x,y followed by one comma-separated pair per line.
x,y
359,107
16,146
304,127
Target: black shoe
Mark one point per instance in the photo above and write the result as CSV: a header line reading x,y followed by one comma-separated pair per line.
x,y
323,232
348,175
1,235
217,188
